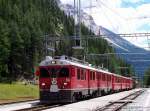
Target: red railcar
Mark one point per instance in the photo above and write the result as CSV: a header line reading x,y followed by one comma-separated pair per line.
x,y
64,80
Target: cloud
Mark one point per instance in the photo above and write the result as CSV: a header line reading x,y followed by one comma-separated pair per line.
x,y
132,1
119,19
113,16
125,19
67,1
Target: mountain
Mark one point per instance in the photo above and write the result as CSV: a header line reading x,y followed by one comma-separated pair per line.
x,y
132,54
85,18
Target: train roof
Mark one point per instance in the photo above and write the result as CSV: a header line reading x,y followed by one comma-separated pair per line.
x,y
64,60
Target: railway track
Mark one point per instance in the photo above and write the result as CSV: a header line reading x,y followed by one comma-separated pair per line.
x,y
38,107
117,105
18,102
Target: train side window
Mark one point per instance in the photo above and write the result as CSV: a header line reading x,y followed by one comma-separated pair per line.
x,y
82,74
100,76
78,74
117,79
53,72
91,75
97,75
103,77
109,78
64,72
106,77
44,72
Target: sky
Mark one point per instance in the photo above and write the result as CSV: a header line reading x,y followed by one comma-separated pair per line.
x,y
120,16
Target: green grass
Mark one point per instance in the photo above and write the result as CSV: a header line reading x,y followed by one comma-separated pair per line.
x,y
18,91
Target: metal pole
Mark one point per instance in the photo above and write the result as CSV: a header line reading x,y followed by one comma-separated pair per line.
x,y
75,18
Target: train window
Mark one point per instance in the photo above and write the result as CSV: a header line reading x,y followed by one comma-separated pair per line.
x,y
99,76
53,73
96,75
106,77
44,72
103,77
82,75
109,78
93,75
117,80
78,74
64,72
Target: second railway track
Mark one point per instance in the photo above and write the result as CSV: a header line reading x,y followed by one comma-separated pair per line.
x,y
117,105
38,107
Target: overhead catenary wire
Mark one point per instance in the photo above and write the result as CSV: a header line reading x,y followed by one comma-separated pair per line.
x,y
88,37
107,17
112,10
138,35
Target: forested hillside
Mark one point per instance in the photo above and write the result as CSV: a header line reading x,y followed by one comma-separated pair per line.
x,y
22,26
147,78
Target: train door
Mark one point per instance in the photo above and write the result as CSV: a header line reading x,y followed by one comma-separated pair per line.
x,y
107,83
113,83
98,83
88,78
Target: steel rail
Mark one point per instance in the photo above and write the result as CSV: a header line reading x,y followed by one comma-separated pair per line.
x,y
15,102
38,107
117,105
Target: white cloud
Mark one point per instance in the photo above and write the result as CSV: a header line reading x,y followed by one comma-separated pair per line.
x,y
132,1
67,1
111,14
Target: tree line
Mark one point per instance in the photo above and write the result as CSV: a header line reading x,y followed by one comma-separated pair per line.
x,y
22,26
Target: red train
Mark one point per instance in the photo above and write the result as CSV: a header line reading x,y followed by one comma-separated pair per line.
x,y
63,79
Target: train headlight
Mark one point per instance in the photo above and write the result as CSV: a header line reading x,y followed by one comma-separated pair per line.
x,y
65,83
43,84
53,62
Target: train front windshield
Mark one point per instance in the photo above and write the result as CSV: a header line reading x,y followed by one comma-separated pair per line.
x,y
54,72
